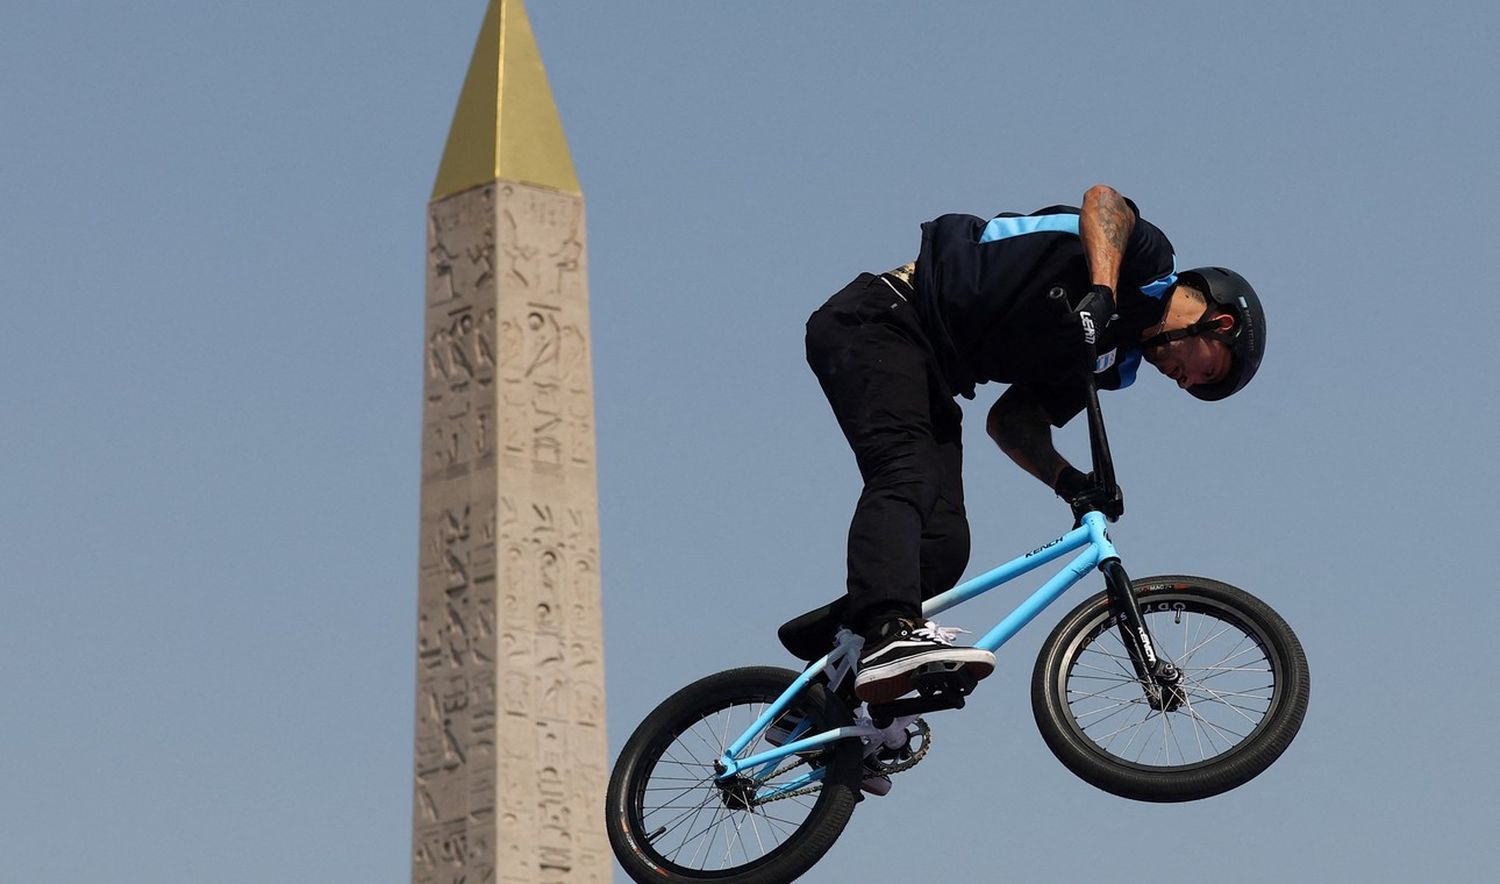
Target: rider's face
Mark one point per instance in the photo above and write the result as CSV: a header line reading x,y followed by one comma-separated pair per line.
x,y
1191,361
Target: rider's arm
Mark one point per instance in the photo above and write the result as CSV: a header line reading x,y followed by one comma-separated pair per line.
x,y
1022,428
1104,224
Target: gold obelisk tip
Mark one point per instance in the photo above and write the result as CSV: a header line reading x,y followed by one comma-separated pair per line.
x,y
506,125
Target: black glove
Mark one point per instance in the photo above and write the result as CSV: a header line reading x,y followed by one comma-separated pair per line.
x,y
1083,496
1094,312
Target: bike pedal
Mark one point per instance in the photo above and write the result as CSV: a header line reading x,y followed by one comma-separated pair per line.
x,y
932,679
885,713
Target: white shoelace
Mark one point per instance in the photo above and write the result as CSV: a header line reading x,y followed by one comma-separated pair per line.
x,y
940,634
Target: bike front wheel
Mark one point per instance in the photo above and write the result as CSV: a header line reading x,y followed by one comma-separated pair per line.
x,y
1241,700
670,820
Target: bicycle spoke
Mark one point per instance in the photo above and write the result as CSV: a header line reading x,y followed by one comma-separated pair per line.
x,y
1203,728
1136,731
680,790
1113,679
1075,696
1263,693
1125,675
1238,709
1221,730
711,824
1169,732
729,843
728,716
1237,653
689,816
1220,670
1187,655
698,762
1117,707
755,827
1123,706
1197,731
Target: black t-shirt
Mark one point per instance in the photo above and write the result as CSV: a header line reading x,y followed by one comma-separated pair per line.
x,y
983,294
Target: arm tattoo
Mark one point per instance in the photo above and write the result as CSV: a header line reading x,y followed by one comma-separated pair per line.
x,y
1115,223
1020,426
1104,227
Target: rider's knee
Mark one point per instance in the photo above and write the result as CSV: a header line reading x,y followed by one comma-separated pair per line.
x,y
912,473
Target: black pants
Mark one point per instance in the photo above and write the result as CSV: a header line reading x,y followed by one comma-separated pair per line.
x,y
909,539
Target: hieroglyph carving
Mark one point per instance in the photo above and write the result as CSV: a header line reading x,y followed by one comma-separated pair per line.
x,y
510,744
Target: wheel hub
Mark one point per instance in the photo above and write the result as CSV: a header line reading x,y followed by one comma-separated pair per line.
x,y
738,792
1166,693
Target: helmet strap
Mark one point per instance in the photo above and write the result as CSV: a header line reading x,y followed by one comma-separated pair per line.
x,y
1204,326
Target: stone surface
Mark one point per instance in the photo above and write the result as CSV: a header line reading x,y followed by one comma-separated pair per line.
x,y
510,744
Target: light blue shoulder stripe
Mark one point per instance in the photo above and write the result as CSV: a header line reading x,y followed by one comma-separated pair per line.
x,y
1005,228
1128,366
1159,287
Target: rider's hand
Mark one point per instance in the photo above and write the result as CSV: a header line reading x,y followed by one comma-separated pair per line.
x,y
1094,312
1079,490
1072,482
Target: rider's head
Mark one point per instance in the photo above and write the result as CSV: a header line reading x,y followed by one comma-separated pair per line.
x,y
1212,336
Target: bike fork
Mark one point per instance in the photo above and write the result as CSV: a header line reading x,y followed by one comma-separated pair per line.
x,y
1157,675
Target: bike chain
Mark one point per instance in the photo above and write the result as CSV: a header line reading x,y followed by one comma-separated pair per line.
x,y
923,731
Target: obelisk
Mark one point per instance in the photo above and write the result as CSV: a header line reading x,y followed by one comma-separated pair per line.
x,y
510,746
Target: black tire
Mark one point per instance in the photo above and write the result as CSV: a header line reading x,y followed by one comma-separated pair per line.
x,y
700,834
1229,724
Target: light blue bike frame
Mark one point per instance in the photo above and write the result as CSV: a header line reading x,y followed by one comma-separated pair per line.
x,y
1092,537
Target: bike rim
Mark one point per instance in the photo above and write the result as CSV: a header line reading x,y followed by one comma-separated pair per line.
x,y
1230,686
680,812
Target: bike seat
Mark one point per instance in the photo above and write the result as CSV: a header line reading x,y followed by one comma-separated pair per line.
x,y
811,635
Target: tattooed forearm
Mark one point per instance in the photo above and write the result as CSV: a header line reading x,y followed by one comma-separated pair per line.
x,y
1020,426
1104,224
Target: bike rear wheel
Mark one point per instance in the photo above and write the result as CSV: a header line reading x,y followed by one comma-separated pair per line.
x,y
670,821
1242,697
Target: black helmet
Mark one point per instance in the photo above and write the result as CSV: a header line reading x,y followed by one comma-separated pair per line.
x,y
1230,293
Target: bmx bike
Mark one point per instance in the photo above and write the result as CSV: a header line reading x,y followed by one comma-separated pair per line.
x,y
1170,688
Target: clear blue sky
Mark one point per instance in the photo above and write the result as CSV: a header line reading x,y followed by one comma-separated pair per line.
x,y
211,270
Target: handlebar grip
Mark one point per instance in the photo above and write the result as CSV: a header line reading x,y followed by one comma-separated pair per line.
x,y
1094,311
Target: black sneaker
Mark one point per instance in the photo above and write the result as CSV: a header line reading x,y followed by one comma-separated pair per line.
x,y
900,647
